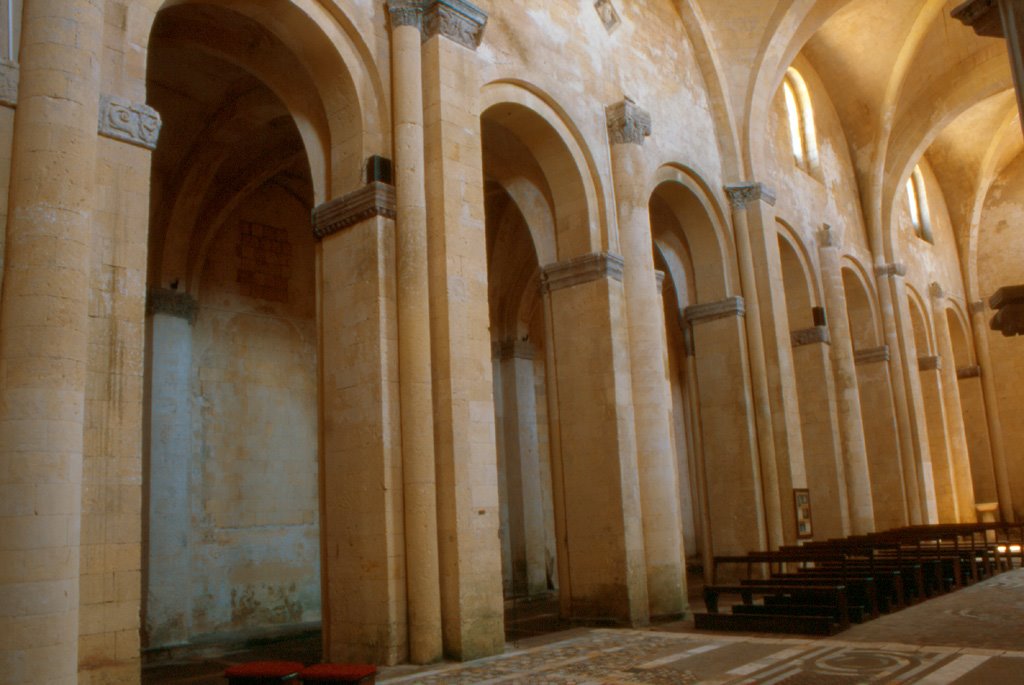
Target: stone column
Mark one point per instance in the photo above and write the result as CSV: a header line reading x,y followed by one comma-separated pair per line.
x,y
881,438
732,469
522,467
472,610
168,611
995,428
913,430
418,468
963,483
929,367
363,566
979,445
740,197
628,125
851,424
44,321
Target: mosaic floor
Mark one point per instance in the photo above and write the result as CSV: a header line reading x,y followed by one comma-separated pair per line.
x,y
971,637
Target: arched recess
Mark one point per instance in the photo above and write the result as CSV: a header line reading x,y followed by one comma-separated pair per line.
x,y
261,124
816,393
714,432
878,408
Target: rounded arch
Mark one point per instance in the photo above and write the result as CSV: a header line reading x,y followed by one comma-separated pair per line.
x,y
924,336
798,278
959,334
865,324
569,171
696,221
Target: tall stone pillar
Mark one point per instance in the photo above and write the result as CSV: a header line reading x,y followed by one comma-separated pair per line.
x,y
741,196
628,125
734,493
44,322
851,424
522,467
363,566
472,610
597,484
418,468
929,368
995,429
906,385
172,315
963,483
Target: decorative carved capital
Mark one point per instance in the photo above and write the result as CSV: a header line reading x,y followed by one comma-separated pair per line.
x,y
827,237
968,372
730,306
980,15
929,363
628,123
609,17
512,349
579,270
871,355
742,194
891,269
172,303
9,74
978,306
936,291
406,13
457,20
372,200
1008,302
129,122
810,336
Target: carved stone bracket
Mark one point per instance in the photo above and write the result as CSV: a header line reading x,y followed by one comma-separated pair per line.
x,y
929,363
700,313
810,336
980,15
628,123
936,291
579,270
609,17
457,20
129,122
172,303
827,237
978,306
406,13
512,349
968,372
872,355
9,74
1009,305
891,269
372,200
742,194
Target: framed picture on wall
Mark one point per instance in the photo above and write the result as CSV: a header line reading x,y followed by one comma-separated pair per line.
x,y
802,499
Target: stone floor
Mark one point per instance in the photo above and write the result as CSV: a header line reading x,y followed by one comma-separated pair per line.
x,y
975,635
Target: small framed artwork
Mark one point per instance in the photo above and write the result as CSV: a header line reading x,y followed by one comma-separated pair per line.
x,y
802,499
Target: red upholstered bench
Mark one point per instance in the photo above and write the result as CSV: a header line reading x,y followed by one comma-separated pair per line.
x,y
262,672
328,674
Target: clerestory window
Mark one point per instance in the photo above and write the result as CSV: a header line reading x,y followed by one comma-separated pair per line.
x,y
801,121
917,200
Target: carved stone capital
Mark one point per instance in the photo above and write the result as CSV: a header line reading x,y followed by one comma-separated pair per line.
x,y
700,313
936,291
968,372
891,269
129,122
9,74
512,349
372,200
579,270
980,15
406,13
457,20
929,363
609,17
810,336
827,237
659,279
1008,302
742,194
172,303
978,306
871,355
627,123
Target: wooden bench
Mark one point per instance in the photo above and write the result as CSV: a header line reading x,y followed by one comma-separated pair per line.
x,y
830,616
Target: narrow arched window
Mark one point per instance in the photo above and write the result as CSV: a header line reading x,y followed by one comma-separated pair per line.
x,y
802,134
917,200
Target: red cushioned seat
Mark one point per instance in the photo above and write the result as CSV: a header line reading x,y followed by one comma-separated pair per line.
x,y
339,673
260,672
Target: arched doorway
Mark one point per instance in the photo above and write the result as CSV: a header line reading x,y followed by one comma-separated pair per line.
x,y
232,528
